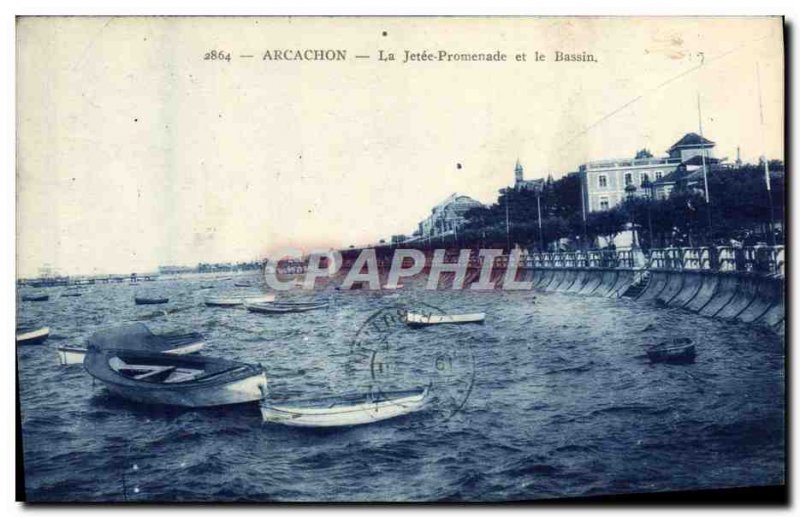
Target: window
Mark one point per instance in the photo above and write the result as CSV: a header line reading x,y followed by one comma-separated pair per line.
x,y
603,203
658,175
645,179
628,178
602,181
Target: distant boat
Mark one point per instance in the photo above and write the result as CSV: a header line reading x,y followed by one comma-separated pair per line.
x,y
142,300
207,287
347,410
676,351
233,301
243,284
69,294
277,308
28,335
136,336
176,380
422,320
35,297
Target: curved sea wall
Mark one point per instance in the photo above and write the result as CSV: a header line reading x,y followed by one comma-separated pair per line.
x,y
742,284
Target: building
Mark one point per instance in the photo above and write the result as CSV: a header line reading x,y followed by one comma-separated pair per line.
x,y
606,183
520,183
446,217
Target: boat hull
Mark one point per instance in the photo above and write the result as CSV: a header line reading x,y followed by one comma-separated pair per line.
x,y
36,298
237,301
343,416
150,301
283,309
68,355
421,320
33,337
249,389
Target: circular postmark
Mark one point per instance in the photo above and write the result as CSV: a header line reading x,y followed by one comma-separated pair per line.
x,y
391,357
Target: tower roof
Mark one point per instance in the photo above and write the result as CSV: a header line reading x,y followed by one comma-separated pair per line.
x,y
518,166
691,140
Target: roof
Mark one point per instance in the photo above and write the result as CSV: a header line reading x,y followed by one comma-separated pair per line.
x,y
698,160
691,140
680,174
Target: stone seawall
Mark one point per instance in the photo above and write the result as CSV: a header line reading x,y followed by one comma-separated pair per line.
x,y
735,296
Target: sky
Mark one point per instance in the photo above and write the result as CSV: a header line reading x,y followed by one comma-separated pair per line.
x,y
133,151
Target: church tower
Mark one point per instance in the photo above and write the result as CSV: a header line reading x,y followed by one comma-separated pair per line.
x,y
518,173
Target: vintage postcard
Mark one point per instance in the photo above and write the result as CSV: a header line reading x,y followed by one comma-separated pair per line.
x,y
400,259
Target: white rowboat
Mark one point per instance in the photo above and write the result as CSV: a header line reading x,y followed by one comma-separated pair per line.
x,y
346,410
421,320
31,335
233,301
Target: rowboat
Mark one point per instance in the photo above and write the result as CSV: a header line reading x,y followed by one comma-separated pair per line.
x,y
242,284
422,320
141,300
69,294
206,287
35,297
133,337
676,351
27,335
347,410
69,355
176,380
221,301
276,308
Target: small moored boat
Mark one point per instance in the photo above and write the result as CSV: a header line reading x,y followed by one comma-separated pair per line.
x,y
69,355
233,301
176,380
347,410
676,351
422,320
35,297
243,284
27,335
143,300
278,308
70,294
133,337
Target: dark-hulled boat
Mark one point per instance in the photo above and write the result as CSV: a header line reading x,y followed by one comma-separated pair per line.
x,y
676,351
143,300
176,380
35,297
29,335
136,336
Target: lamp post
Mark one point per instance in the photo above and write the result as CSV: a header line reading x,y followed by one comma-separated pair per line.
x,y
647,184
539,215
630,190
